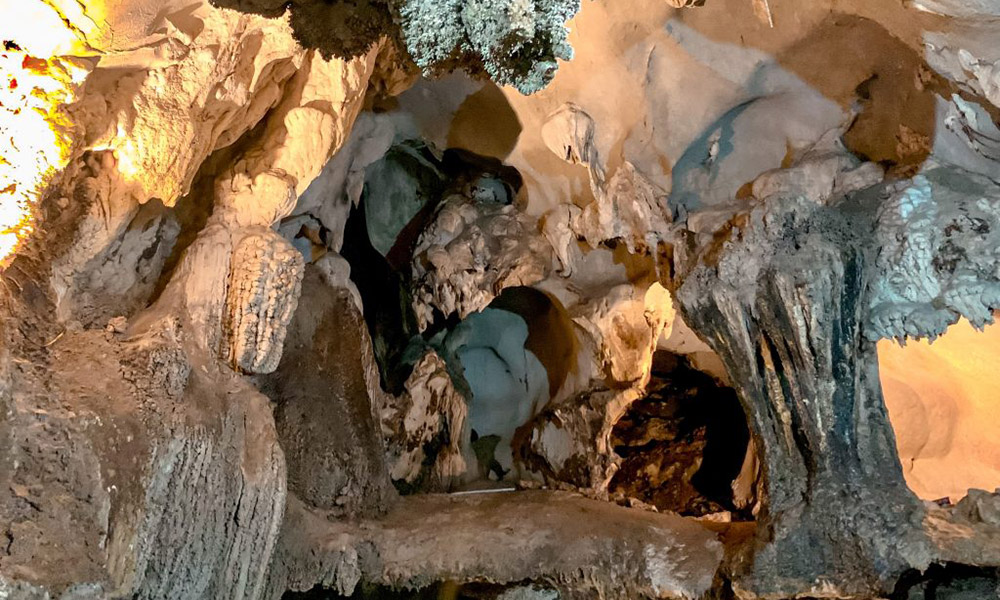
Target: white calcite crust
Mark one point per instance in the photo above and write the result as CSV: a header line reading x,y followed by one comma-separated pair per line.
x,y
470,253
937,256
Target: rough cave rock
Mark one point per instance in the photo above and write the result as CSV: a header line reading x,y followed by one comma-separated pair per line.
x,y
499,299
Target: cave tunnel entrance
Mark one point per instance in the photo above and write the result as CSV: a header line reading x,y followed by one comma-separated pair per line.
x,y
941,399
686,446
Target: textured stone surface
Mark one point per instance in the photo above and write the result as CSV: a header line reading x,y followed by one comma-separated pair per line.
x,y
517,43
514,43
470,253
625,325
426,428
327,405
263,291
958,8
714,166
627,208
980,506
785,303
129,477
582,547
936,257
571,443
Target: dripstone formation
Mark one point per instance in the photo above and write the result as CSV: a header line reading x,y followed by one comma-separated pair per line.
x,y
508,299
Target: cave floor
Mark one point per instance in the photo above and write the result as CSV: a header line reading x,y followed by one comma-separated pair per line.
x,y
544,536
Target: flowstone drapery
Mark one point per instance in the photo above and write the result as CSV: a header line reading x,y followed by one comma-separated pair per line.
x,y
782,302
785,295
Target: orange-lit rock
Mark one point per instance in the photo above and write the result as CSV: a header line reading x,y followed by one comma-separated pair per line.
x,y
942,400
35,132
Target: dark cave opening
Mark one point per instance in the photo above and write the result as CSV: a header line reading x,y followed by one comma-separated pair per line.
x,y
401,194
684,446
385,298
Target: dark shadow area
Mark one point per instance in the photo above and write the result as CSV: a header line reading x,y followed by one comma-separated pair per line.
x,y
949,582
465,167
684,444
442,590
388,306
409,181
336,28
495,136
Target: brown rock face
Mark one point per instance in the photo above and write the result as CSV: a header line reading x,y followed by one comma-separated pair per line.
x,y
327,419
127,473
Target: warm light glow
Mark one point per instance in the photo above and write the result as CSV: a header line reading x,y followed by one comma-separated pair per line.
x,y
34,131
41,31
945,408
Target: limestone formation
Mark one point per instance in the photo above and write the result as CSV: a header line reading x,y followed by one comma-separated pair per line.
x,y
327,405
571,443
582,547
569,133
261,296
936,255
426,429
172,483
974,8
378,297
627,208
516,43
625,326
470,253
775,303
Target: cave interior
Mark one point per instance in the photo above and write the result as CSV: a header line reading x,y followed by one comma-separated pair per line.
x,y
499,299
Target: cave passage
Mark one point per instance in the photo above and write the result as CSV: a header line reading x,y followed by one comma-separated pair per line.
x,y
684,444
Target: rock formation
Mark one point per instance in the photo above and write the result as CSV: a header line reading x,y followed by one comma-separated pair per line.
x,y
499,299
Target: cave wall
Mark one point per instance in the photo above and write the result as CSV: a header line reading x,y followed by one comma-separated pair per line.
x,y
939,397
220,242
